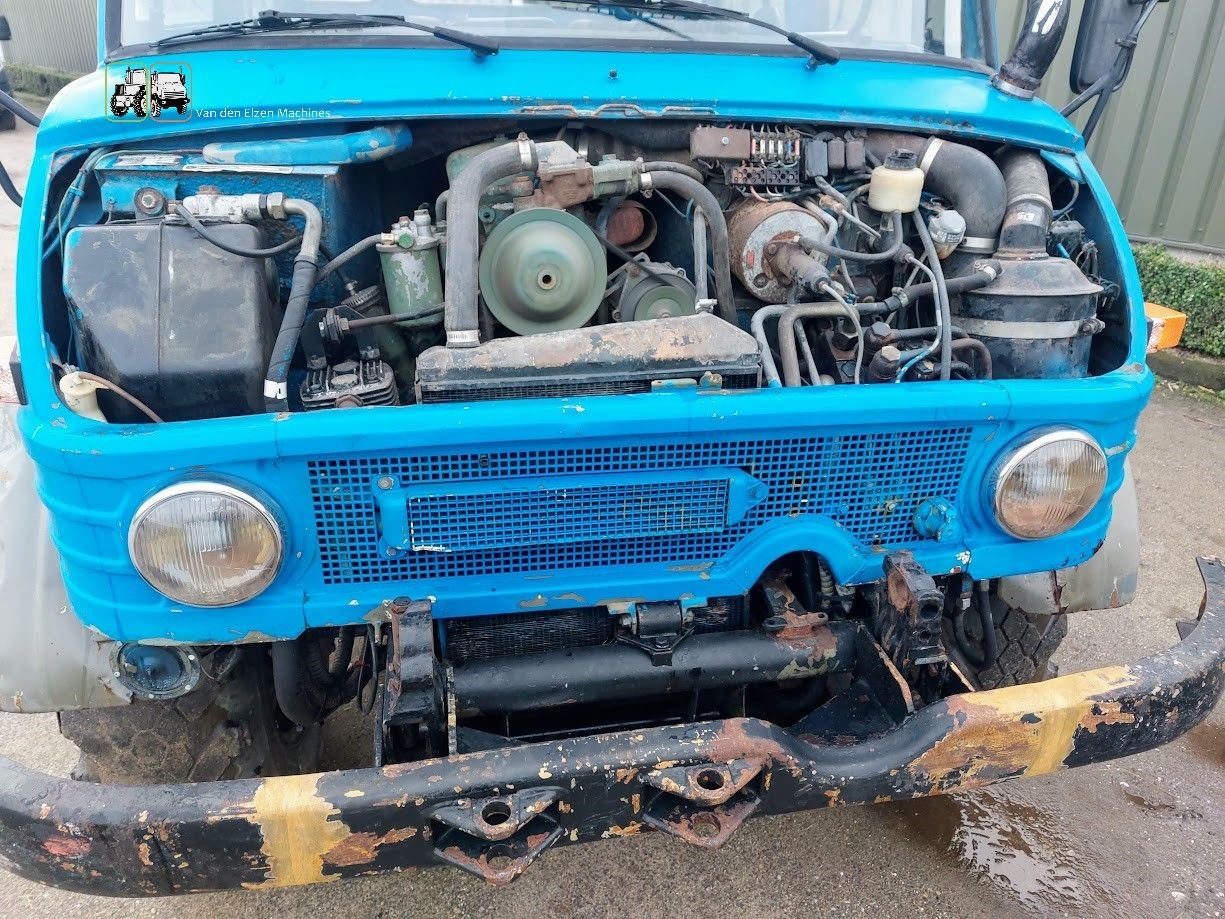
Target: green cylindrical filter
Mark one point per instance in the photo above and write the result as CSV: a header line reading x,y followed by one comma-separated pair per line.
x,y
412,271
543,270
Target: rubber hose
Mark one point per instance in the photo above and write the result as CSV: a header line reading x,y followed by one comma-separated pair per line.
x,y
942,296
716,223
1027,221
980,277
347,256
985,369
668,166
818,245
276,396
1041,35
463,233
289,685
962,175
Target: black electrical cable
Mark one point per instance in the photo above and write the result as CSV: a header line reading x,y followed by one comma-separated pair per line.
x,y
203,232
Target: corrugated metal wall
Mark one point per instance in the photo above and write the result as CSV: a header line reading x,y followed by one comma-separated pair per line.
x,y
59,34
1160,145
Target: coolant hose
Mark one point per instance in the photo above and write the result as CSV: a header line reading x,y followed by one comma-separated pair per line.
x,y
668,166
982,275
964,176
716,223
788,350
1027,221
305,267
463,233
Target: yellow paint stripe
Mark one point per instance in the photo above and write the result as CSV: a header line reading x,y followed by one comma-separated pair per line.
x,y
297,833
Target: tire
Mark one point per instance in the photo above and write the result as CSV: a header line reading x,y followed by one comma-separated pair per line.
x,y
227,730
117,110
1025,644
139,106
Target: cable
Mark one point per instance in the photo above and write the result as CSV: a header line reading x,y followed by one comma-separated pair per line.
x,y
19,110
6,184
926,352
944,309
348,255
204,233
121,393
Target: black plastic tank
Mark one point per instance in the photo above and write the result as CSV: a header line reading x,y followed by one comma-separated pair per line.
x,y
179,323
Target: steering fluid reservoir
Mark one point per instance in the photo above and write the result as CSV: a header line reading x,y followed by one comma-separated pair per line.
x,y
897,184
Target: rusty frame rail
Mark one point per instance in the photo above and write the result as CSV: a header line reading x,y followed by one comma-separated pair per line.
x,y
492,813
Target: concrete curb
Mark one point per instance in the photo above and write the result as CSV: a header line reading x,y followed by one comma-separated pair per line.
x,y
1189,367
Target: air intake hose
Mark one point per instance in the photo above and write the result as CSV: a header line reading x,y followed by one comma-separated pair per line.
x,y
1027,223
965,177
1031,58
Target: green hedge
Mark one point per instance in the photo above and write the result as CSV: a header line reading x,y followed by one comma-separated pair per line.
x,y
1197,290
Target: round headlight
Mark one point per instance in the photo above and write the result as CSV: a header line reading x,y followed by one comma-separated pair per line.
x,y
205,544
1048,486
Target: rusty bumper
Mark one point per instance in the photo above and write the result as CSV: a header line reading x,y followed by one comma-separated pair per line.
x,y
492,813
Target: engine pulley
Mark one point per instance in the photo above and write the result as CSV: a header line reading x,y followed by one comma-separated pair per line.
x,y
542,270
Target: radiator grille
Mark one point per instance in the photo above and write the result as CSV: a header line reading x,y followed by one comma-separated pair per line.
x,y
468,390
867,482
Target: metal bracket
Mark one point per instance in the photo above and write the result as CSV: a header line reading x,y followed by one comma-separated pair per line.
x,y
497,838
657,629
412,694
906,618
706,803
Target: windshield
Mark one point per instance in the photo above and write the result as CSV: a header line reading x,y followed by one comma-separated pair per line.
x,y
948,27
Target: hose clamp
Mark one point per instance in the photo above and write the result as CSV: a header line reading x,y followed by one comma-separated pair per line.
x,y
463,338
930,153
527,152
275,390
979,244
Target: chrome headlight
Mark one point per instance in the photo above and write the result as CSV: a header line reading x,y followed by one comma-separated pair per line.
x,y
1048,485
205,544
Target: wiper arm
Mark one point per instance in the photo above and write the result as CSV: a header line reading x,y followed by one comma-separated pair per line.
x,y
818,52
273,21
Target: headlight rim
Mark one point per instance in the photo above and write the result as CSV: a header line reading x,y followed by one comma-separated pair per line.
x,y
1022,450
261,504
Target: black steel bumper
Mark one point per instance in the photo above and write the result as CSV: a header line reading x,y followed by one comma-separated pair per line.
x,y
492,813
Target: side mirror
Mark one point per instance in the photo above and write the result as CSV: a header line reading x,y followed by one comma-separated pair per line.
x,y
1107,27
6,33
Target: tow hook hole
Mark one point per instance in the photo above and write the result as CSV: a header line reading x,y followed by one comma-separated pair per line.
x,y
710,779
495,813
705,825
499,858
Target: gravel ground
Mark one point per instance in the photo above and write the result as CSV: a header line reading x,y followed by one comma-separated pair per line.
x,y
1139,837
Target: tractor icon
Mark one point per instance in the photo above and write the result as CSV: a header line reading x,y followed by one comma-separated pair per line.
x,y
130,94
169,90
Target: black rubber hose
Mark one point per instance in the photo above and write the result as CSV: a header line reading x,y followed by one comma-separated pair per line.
x,y
203,232
991,650
979,278
276,395
1027,221
8,186
347,256
985,369
817,245
1041,35
668,166
289,683
463,233
18,109
964,176
716,226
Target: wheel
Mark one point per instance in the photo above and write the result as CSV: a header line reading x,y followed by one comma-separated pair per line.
x,y
117,110
181,107
139,105
155,108
226,729
1024,642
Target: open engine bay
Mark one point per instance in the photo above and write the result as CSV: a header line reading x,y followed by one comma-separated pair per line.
x,y
467,261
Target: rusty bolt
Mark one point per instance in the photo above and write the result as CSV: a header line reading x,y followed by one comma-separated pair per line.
x,y
705,825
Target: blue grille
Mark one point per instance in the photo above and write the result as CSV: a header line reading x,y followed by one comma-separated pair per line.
x,y
868,483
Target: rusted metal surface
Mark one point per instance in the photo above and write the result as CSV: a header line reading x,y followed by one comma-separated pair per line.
x,y
318,828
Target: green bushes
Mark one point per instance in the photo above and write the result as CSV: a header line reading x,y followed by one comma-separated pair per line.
x,y
1197,290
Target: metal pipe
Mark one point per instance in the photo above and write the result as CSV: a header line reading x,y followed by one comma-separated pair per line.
x,y
620,672
701,197
942,296
818,245
787,348
758,326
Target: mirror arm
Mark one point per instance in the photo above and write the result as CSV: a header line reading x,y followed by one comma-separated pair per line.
x,y
1105,87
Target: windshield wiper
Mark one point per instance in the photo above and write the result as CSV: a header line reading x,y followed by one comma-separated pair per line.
x,y
818,52
273,21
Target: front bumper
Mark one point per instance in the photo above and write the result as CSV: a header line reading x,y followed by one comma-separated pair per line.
x,y
492,813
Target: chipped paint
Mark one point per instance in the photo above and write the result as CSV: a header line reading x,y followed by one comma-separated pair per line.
x,y
297,830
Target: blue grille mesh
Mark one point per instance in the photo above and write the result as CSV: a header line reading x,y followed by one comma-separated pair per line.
x,y
467,522
869,483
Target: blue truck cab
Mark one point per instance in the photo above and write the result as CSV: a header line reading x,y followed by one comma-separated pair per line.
x,y
647,413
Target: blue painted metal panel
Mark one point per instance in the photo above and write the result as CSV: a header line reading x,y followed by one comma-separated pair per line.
x,y
93,477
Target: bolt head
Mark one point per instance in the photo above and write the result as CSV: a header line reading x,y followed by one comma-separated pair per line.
x,y
386,483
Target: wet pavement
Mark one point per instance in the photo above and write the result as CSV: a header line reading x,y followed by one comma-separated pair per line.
x,y
1137,837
